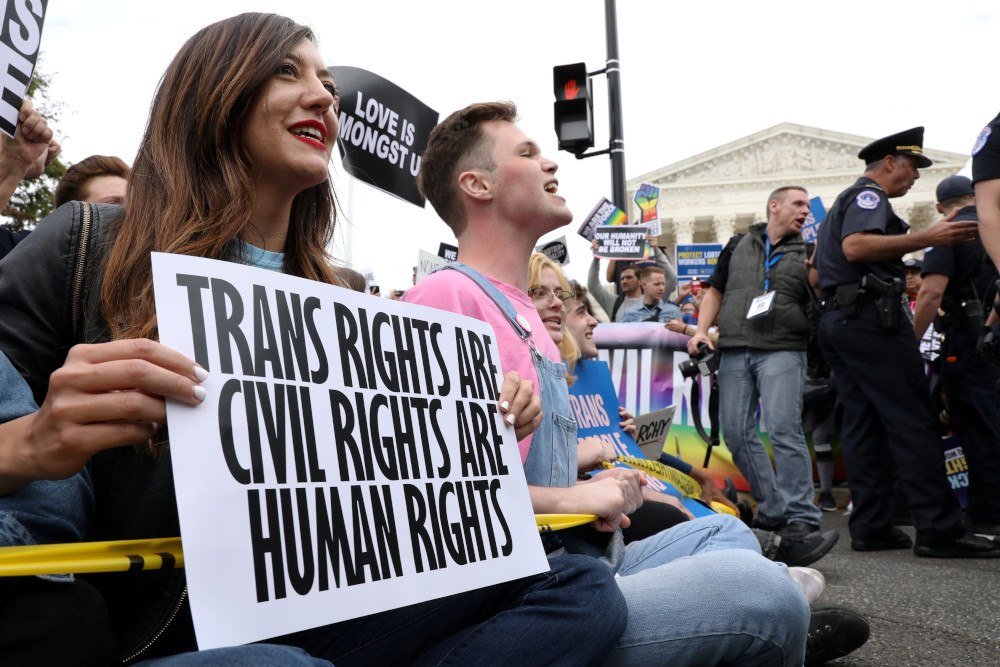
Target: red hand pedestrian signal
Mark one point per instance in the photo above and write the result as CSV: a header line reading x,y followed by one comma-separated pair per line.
x,y
573,108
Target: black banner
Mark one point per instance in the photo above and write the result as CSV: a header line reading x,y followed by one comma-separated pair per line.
x,y
383,132
20,35
448,252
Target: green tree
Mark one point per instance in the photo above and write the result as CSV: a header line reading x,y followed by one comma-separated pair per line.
x,y
34,199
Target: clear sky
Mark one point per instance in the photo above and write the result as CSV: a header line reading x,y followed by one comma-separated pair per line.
x,y
694,76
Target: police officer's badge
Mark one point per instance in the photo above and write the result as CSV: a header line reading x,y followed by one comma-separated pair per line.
x,y
981,139
867,200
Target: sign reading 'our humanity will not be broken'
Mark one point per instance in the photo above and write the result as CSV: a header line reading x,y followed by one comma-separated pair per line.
x,y
349,458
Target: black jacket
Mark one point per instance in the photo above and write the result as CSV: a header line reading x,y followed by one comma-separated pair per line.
x,y
134,490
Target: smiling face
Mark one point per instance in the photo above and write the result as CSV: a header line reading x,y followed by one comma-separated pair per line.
x,y
292,127
581,324
524,186
553,313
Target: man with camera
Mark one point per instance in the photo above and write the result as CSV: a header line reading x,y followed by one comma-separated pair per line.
x,y
961,281
759,290
889,424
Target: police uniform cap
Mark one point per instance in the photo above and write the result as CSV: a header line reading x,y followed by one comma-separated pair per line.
x,y
909,142
954,186
913,263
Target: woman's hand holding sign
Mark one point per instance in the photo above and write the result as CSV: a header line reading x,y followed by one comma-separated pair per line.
x,y
104,396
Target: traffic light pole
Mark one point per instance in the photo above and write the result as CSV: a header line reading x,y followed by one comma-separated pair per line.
x,y
617,143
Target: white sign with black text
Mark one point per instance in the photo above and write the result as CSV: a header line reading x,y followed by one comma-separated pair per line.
x,y
350,457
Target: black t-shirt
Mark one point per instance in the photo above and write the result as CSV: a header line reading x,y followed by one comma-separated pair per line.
x,y
986,153
862,208
971,273
720,276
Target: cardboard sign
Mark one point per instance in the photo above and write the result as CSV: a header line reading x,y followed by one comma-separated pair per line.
x,y
621,242
369,275
697,260
653,428
428,264
383,132
350,457
646,198
604,213
556,250
20,35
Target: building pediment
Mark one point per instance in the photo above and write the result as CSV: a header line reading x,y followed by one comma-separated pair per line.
x,y
785,150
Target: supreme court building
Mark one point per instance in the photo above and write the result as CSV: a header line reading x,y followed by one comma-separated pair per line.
x,y
711,196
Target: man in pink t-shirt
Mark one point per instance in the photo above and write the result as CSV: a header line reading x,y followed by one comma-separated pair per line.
x,y
452,291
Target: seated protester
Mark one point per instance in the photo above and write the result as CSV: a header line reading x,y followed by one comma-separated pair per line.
x,y
550,292
223,178
652,308
99,179
491,185
23,157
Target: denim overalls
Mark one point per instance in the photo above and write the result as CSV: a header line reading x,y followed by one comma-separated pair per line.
x,y
552,457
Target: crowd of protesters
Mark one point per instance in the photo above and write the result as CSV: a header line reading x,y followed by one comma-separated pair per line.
x,y
224,171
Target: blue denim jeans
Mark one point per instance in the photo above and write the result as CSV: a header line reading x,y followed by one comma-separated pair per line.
x,y
539,620
258,655
571,615
700,593
777,379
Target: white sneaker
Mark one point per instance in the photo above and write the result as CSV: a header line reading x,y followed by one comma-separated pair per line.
x,y
812,581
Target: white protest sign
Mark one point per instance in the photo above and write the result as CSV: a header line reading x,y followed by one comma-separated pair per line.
x,y
20,35
349,457
651,430
369,276
427,263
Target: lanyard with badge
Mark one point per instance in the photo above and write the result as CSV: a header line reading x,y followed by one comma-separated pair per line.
x,y
763,304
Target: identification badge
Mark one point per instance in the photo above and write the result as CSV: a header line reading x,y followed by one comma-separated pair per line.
x,y
761,305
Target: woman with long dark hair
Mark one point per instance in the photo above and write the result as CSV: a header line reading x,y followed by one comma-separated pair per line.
x,y
234,166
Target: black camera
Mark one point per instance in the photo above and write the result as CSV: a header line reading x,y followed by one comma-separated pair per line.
x,y
705,362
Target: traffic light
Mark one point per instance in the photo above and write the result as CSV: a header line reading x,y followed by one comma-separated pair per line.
x,y
574,108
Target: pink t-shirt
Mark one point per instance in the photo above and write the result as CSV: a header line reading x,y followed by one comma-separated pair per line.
x,y
453,291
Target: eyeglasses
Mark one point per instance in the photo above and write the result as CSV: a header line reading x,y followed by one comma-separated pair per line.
x,y
542,296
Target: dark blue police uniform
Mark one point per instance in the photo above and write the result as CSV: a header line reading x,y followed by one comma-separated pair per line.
x,y
969,381
889,421
986,153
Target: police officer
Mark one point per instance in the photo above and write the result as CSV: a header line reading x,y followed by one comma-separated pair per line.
x,y
889,421
986,178
961,281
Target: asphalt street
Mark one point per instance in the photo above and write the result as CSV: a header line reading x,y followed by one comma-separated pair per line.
x,y
922,611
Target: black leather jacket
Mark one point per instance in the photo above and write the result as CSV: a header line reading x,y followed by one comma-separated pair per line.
x,y
41,316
